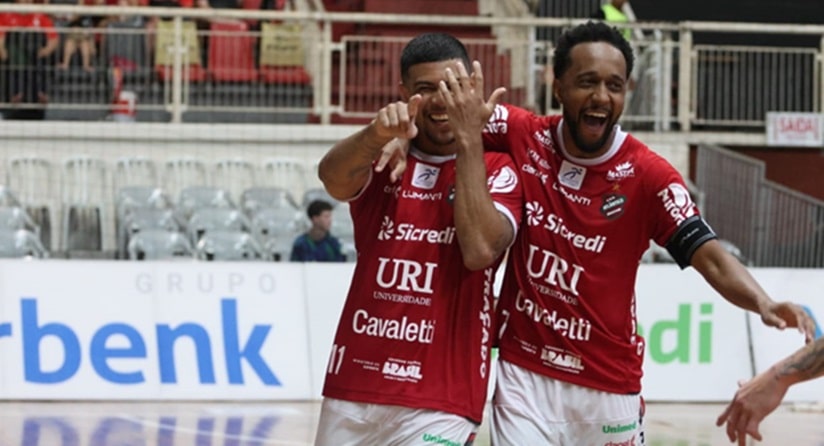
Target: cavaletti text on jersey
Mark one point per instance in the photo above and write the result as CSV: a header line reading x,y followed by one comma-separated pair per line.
x,y
573,328
422,331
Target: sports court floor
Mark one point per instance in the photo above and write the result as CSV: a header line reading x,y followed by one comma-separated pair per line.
x,y
258,424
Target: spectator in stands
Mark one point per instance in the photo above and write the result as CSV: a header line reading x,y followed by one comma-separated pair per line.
x,y
122,46
612,11
27,44
318,244
80,37
761,395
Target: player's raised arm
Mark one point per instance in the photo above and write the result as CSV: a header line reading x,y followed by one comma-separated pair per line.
x,y
481,244
346,167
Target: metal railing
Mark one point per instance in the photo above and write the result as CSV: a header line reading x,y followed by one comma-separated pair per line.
x,y
771,224
190,69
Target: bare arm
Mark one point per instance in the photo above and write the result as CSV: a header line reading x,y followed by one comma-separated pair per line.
x,y
50,47
805,364
729,277
760,396
483,232
732,280
346,167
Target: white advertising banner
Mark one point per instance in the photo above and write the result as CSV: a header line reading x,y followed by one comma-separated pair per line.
x,y
262,331
153,330
326,289
803,286
696,342
795,129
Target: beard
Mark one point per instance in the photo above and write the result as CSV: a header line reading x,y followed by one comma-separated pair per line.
x,y
436,139
584,146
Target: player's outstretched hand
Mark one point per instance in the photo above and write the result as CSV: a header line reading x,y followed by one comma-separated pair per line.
x,y
397,120
754,400
787,314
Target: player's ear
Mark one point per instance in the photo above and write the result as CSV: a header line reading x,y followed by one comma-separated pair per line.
x,y
556,90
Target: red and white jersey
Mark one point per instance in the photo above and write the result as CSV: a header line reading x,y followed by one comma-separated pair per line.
x,y
567,304
417,326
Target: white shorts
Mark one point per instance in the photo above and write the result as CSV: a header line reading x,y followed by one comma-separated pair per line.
x,y
347,423
529,408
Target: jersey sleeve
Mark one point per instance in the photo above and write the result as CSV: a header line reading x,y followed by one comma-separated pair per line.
x,y
505,187
505,124
671,204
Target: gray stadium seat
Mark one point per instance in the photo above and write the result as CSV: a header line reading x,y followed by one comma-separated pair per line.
x,y
21,243
257,198
228,246
209,219
158,244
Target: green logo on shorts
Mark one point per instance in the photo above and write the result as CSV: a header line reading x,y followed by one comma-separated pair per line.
x,y
437,439
618,428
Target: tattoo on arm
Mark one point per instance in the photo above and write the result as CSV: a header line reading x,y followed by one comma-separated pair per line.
x,y
807,363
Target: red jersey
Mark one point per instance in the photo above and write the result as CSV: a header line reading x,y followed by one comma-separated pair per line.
x,y
567,304
416,329
15,22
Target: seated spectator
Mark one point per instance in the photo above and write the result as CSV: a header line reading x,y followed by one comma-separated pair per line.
x,y
80,37
27,44
124,49
317,244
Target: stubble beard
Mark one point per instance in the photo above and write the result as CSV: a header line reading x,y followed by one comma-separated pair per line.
x,y
582,145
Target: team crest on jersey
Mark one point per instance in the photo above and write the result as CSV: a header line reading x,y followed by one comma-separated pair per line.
x,y
572,176
425,176
613,206
621,171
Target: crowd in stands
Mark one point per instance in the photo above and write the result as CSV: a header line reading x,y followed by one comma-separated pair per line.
x,y
36,48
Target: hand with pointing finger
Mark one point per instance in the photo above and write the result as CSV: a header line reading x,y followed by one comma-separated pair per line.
x,y
397,120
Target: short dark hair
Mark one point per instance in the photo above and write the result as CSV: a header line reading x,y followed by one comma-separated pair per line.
x,y
432,47
317,207
585,33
